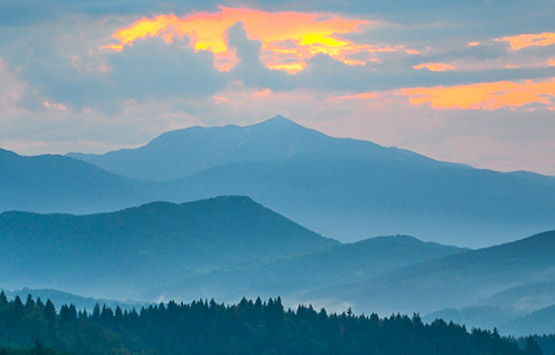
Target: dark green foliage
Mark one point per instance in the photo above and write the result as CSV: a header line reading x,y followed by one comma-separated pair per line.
x,y
39,349
61,297
545,342
206,327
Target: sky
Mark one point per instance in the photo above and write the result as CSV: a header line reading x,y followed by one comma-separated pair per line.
x,y
464,81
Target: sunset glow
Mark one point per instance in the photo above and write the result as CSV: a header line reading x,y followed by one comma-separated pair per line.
x,y
485,96
288,38
434,66
363,96
528,40
125,71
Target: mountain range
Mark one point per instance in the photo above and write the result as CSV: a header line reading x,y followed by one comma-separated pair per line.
x,y
231,246
459,280
344,188
120,254
230,212
53,183
185,152
290,277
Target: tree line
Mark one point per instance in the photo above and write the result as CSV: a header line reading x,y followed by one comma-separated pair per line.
x,y
249,327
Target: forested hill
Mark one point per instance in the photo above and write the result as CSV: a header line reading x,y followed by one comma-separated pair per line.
x,y
246,328
121,253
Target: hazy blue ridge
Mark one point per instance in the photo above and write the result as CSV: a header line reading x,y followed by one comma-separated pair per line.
x,y
53,183
345,188
121,253
291,276
454,281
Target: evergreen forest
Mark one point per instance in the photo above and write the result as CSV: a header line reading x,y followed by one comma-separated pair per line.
x,y
249,327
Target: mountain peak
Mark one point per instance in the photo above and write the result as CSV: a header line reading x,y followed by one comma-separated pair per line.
x,y
278,121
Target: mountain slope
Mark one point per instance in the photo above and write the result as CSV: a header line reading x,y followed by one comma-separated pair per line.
x,y
118,254
181,153
351,198
453,281
529,296
288,277
539,322
345,188
49,183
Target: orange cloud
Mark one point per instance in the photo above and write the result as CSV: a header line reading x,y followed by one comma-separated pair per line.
x,y
434,66
362,96
485,96
288,38
528,40
473,44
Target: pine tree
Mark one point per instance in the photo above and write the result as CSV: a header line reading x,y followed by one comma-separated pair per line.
x,y
532,348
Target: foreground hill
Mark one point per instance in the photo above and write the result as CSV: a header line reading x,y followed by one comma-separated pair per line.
x,y
453,281
49,183
118,254
342,187
291,276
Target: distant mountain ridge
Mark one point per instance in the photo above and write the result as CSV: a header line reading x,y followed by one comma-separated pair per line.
x,y
291,276
456,281
121,253
351,198
184,152
509,321
344,188
50,183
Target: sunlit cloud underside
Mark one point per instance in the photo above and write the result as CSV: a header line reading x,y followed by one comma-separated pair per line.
x,y
529,40
485,96
288,39
428,86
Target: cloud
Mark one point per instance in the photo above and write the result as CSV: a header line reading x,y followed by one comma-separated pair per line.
x,y
283,47
504,139
485,96
434,66
345,67
529,40
11,89
153,69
